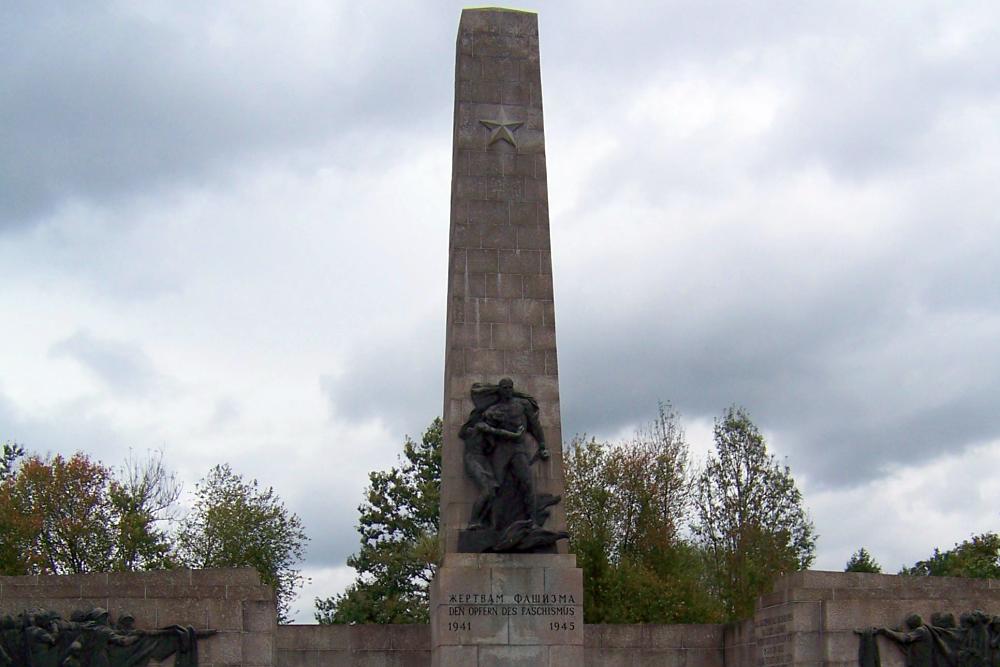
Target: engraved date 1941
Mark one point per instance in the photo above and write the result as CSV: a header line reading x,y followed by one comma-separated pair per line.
x,y
464,625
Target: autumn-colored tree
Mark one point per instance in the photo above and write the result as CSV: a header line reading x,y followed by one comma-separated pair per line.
x,y
625,506
60,516
56,517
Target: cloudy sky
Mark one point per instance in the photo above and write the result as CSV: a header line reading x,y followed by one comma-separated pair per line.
x,y
223,233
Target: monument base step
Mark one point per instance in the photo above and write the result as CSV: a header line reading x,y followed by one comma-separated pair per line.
x,y
507,609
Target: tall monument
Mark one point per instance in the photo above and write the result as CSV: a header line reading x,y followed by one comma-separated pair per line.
x,y
508,592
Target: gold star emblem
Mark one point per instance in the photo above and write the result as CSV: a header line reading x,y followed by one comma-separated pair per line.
x,y
502,129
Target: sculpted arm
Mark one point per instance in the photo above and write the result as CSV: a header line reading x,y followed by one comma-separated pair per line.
x,y
535,429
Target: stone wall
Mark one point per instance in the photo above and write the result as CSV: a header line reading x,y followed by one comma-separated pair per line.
x,y
409,646
807,621
653,645
231,601
810,617
354,645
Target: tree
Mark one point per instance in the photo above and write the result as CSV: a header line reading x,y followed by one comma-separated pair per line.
x,y
749,516
625,506
234,523
56,517
10,453
977,558
862,561
143,497
61,516
399,541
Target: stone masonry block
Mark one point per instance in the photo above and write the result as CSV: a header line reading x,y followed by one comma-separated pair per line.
x,y
515,94
535,189
532,237
524,213
487,212
469,68
538,286
505,188
456,656
516,581
471,334
258,616
543,338
222,614
478,91
513,656
560,580
474,187
566,656
504,286
524,165
520,261
508,336
527,311
258,648
313,637
484,260
469,284
225,648
487,163
226,576
180,611
499,236
500,69
465,235
500,45
526,362
485,361
491,310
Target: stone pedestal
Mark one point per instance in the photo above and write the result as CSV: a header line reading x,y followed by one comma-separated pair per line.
x,y
492,610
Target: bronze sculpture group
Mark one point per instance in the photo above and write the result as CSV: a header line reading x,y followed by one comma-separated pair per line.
x,y
508,516
974,641
43,638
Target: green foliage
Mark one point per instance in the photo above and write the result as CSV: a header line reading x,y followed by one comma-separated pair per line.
x,y
10,453
625,505
976,558
143,496
399,545
61,516
750,521
234,523
862,561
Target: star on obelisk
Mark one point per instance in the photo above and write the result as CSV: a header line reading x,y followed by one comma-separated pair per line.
x,y
502,129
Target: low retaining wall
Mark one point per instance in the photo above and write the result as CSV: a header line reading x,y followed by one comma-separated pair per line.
x,y
810,618
807,621
230,601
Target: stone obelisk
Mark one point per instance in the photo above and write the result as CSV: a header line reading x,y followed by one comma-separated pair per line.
x,y
501,608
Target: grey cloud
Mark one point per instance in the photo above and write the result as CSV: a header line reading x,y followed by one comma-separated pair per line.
x,y
394,378
78,428
124,368
103,102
